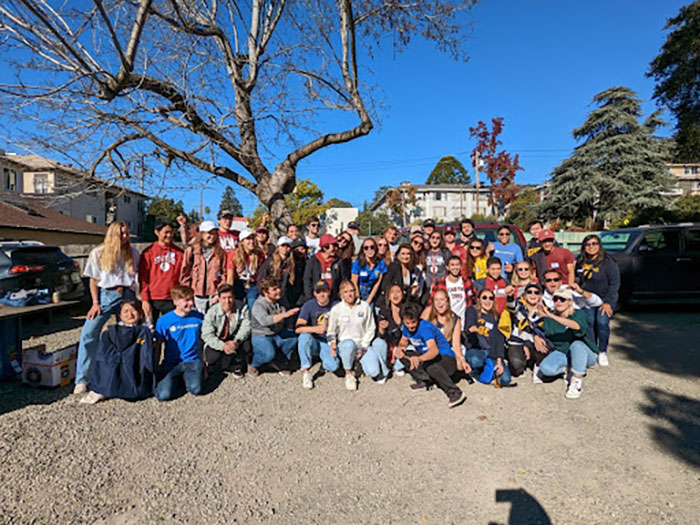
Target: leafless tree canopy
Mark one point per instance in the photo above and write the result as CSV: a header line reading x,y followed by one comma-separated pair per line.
x,y
209,84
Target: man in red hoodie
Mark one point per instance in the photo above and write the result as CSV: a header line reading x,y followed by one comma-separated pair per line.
x,y
496,283
159,271
319,266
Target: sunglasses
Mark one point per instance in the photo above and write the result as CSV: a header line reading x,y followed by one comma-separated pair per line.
x,y
592,243
525,269
435,237
369,247
416,242
533,292
487,297
330,246
558,299
475,248
553,280
504,234
314,225
382,245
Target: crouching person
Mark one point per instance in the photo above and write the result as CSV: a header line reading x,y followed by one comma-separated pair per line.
x,y
351,331
432,360
311,327
180,331
225,334
271,343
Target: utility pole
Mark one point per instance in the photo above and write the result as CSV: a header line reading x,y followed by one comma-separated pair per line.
x,y
475,158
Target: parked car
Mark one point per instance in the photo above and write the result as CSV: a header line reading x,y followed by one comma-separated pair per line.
x,y
657,263
30,264
486,231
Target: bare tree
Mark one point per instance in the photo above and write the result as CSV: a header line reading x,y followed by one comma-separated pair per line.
x,y
214,85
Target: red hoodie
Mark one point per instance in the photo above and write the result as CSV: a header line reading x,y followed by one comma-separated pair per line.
x,y
159,271
498,287
326,268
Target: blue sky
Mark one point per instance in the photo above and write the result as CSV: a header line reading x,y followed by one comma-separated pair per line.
x,y
536,63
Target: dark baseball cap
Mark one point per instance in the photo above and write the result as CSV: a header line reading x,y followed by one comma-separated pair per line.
x,y
225,213
428,222
353,225
296,243
321,285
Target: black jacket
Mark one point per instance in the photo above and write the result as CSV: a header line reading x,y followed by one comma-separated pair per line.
x,y
394,276
602,279
341,270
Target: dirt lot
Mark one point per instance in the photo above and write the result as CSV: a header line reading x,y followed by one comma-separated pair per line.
x,y
262,450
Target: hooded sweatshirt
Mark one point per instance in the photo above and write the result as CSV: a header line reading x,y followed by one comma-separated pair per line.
x,y
602,279
159,271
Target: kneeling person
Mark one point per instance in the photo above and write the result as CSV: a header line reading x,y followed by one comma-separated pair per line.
x,y
180,330
225,334
432,360
311,327
267,324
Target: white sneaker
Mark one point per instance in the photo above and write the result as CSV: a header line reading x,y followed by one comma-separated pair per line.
x,y
382,380
536,376
603,359
575,388
80,388
399,373
307,381
92,398
350,382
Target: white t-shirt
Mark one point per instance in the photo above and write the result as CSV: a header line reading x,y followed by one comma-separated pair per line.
x,y
117,277
458,298
313,246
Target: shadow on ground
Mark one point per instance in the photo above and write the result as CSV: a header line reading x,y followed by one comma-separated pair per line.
x,y
524,510
39,324
14,395
661,340
676,423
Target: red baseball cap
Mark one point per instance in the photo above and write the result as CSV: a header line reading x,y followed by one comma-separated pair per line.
x,y
451,230
545,234
327,239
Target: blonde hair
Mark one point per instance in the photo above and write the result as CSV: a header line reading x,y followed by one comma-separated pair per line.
x,y
449,327
277,264
494,308
517,281
239,258
113,250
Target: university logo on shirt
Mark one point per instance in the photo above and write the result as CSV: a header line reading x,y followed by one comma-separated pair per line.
x,y
165,261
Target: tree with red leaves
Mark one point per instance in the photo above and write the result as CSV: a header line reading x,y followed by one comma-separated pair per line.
x,y
499,166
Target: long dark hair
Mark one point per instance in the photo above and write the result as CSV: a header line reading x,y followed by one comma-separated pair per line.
x,y
583,257
362,258
411,263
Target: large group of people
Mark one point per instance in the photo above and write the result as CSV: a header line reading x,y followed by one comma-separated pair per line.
x,y
445,306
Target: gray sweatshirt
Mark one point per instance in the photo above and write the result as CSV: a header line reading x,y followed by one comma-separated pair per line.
x,y
261,317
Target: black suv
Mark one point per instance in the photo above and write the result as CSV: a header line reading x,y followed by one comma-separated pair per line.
x,y
657,263
30,264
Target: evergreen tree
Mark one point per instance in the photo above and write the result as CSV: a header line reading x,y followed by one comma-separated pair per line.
x,y
373,223
166,210
337,203
230,202
618,169
523,209
449,170
677,73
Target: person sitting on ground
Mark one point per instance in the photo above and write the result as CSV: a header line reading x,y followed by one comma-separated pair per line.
x,y
351,334
243,266
271,342
484,340
582,298
204,266
367,271
507,251
123,366
557,258
523,274
521,351
180,332
225,334
461,291
389,324
496,283
440,314
431,359
567,332
112,268
312,324
476,259
598,273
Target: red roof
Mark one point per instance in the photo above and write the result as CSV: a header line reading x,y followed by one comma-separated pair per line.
x,y
23,214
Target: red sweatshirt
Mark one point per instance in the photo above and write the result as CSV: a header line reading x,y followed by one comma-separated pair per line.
x,y
498,287
326,268
159,271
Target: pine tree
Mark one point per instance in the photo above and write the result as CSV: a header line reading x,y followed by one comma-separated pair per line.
x,y
449,170
618,169
230,202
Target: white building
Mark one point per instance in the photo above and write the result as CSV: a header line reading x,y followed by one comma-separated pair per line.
x,y
69,191
336,220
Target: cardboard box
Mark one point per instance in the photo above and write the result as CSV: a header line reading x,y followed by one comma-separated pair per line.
x,y
49,369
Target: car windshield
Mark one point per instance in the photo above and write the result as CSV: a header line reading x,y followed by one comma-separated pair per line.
x,y
47,256
617,241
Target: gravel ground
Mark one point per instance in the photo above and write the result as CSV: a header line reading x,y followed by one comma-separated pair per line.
x,y
262,450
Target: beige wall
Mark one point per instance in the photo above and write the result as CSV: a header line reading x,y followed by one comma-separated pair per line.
x,y
687,177
28,184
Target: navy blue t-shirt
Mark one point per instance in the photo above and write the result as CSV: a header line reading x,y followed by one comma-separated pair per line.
x,y
314,314
181,335
425,332
366,278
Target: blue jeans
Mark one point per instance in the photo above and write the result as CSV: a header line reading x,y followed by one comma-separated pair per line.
x,y
310,347
476,357
189,373
598,324
110,302
579,358
265,347
373,361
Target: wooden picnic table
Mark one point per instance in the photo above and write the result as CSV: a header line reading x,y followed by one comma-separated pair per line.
x,y
8,312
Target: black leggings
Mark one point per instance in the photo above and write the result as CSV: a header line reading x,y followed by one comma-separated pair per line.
x,y
218,361
439,370
516,358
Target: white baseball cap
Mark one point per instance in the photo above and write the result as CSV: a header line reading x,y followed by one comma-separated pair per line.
x,y
245,234
207,226
284,240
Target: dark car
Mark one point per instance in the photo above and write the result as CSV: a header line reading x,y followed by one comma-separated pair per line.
x,y
29,265
487,231
657,263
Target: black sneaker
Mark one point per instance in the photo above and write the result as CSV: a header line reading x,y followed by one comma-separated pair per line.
x,y
420,385
455,398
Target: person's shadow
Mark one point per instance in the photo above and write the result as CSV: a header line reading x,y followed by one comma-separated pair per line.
x,y
524,510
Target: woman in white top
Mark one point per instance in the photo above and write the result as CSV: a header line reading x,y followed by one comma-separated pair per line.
x,y
351,334
112,268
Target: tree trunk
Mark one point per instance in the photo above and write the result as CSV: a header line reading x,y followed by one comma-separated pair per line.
x,y
271,191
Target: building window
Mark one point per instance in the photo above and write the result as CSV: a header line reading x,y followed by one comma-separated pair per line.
x,y
127,199
438,196
10,177
41,183
691,170
91,218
